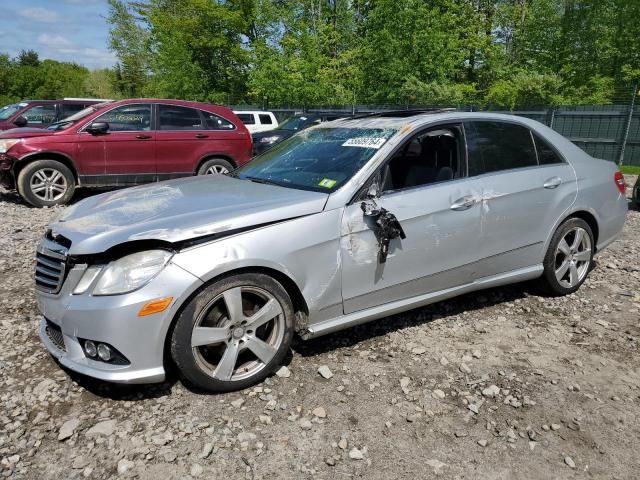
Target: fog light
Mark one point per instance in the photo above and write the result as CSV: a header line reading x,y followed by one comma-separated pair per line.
x,y
90,348
104,352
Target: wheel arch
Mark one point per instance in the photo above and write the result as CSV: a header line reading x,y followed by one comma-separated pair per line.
x,y
300,306
59,157
211,156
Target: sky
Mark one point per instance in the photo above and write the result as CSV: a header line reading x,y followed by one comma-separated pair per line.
x,y
64,30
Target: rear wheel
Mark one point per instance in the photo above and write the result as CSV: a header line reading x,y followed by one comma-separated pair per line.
x,y
45,183
569,257
233,333
215,166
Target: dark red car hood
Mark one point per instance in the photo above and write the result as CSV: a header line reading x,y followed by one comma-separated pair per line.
x,y
25,133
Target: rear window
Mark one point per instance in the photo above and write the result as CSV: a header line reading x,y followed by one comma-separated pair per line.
x,y
546,154
496,146
216,122
9,111
265,119
247,118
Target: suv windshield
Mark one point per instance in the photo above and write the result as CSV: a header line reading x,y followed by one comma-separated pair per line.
x,y
295,123
71,119
8,111
321,159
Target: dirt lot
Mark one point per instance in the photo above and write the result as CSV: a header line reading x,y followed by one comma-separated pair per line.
x,y
499,384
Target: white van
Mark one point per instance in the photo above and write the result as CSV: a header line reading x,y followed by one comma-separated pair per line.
x,y
257,121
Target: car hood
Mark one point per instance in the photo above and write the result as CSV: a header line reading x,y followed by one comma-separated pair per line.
x,y
25,133
179,210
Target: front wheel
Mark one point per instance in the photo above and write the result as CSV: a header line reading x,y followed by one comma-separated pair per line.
x,y
569,257
45,183
233,333
215,166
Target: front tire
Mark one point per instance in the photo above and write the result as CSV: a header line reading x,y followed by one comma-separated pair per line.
x,y
569,258
215,166
45,183
234,333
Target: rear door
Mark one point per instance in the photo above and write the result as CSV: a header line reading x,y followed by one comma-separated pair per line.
x,y
181,141
250,121
129,145
523,193
187,136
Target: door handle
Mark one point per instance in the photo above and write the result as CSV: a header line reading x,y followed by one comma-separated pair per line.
x,y
143,137
464,203
201,135
553,182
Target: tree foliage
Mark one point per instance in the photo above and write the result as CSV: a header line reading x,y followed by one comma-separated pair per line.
x,y
28,77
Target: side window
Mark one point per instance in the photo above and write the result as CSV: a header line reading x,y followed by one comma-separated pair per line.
x,y
178,118
67,110
546,154
495,146
128,118
265,119
428,157
41,114
247,118
216,122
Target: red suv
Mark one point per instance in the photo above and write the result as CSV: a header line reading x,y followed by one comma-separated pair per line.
x,y
41,113
121,143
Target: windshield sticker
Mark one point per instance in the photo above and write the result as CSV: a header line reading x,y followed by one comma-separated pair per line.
x,y
365,142
327,183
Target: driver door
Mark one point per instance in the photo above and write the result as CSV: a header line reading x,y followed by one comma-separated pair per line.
x,y
434,203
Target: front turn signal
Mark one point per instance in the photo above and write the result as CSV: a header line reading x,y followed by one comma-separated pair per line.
x,y
155,306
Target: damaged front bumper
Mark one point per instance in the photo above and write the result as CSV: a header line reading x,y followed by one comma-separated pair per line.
x,y
6,174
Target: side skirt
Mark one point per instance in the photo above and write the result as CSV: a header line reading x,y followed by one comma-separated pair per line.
x,y
381,311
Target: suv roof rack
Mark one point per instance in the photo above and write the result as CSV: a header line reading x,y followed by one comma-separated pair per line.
x,y
405,113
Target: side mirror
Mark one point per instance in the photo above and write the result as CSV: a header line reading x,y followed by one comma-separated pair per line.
x,y
97,128
373,191
20,122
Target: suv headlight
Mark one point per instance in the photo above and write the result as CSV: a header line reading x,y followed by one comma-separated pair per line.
x,y
131,272
5,145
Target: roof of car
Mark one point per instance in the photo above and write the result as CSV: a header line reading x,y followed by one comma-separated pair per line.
x,y
388,120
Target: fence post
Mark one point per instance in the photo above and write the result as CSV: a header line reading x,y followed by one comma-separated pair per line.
x,y
553,117
625,139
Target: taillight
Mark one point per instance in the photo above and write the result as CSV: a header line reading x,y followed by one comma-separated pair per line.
x,y
618,178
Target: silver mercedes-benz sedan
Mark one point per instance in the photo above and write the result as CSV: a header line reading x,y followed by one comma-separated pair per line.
x,y
344,223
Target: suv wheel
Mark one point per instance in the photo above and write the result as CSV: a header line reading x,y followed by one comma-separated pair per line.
x,y
215,166
45,183
233,333
569,257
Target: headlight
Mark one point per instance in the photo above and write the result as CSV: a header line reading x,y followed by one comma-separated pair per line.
x,y
131,272
5,145
271,139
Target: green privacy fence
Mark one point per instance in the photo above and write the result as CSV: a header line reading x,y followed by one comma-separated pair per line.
x,y
611,132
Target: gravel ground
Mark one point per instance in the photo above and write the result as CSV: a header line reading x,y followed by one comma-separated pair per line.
x,y
497,384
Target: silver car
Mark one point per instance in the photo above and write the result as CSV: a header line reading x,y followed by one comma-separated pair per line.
x,y
344,223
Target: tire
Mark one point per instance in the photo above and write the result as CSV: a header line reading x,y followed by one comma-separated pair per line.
x,y
567,264
635,195
45,183
215,166
215,351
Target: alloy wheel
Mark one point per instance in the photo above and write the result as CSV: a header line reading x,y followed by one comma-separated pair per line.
x,y
238,333
573,257
217,170
48,184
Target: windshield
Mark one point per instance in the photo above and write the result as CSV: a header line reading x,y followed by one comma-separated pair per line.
x,y
71,119
321,159
295,123
8,111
